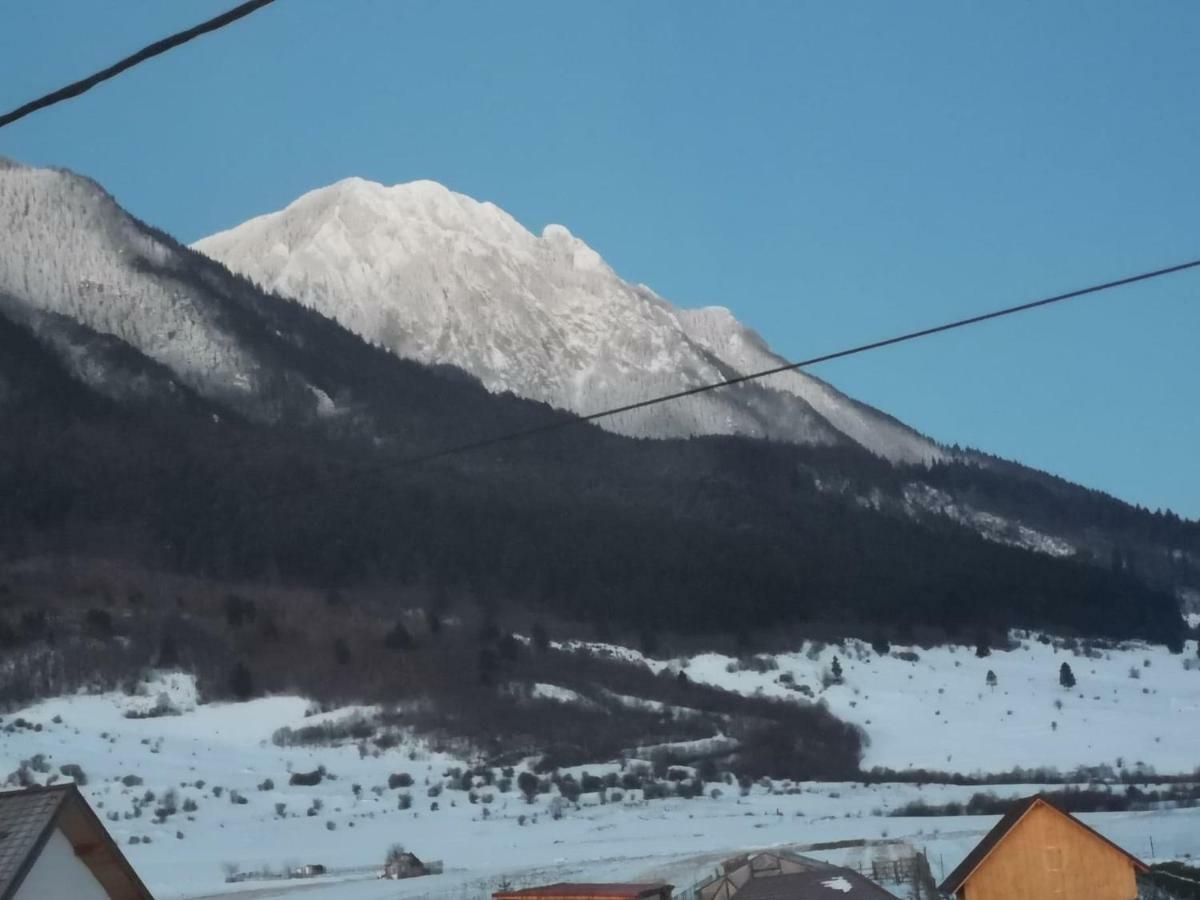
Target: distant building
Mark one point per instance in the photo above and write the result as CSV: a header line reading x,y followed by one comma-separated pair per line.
x,y
52,845
1039,850
405,865
565,891
312,870
787,876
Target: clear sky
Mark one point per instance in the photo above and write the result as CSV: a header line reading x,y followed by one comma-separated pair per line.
x,y
833,172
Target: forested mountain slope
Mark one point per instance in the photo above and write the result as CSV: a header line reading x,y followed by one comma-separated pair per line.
x,y
162,410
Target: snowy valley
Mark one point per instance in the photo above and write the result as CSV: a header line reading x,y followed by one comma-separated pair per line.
x,y
201,792
265,637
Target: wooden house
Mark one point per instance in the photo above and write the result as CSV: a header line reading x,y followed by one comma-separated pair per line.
x,y
404,865
565,891
52,845
309,870
1039,851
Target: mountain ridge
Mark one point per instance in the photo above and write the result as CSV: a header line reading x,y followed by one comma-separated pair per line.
x,y
172,442
438,277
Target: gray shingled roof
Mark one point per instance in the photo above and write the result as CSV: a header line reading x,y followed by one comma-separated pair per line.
x,y
834,883
26,821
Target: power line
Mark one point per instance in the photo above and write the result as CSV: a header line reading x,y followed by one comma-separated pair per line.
x,y
507,437
148,52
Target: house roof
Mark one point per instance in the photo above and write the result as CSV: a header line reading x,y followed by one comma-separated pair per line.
x,y
834,883
29,817
1008,821
565,891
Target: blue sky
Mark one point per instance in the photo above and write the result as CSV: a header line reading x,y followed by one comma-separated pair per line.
x,y
833,172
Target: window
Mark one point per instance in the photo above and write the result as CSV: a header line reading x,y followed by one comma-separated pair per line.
x,y
1056,882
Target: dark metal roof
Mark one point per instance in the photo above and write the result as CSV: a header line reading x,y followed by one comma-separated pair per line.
x,y
566,891
27,819
829,884
1008,821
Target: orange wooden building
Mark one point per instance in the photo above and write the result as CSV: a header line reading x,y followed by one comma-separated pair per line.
x,y
1039,851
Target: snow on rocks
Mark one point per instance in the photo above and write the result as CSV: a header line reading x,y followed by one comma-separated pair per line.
x,y
436,276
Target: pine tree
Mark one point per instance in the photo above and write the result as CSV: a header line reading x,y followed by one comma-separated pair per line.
x,y
991,679
836,670
168,654
398,638
509,648
1065,676
982,648
241,682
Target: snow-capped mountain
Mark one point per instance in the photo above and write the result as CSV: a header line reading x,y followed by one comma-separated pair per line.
x,y
135,315
70,254
94,302
438,277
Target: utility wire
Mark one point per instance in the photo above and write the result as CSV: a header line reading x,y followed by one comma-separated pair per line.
x,y
507,437
148,52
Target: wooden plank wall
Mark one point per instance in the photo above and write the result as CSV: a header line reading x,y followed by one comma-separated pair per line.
x,y
1048,857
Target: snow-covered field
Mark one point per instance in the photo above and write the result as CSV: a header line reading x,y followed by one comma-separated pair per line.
x,y
1137,704
937,711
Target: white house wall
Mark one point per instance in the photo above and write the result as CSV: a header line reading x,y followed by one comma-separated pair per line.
x,y
58,874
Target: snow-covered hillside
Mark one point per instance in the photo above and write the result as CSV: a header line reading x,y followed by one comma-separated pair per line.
x,y
134,315
439,277
230,807
1133,705
68,250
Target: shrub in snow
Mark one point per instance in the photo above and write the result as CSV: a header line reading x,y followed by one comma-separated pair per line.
x,y
267,785
169,805
528,784
307,779
568,787
401,780
654,790
74,771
